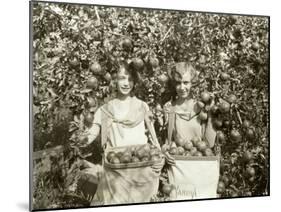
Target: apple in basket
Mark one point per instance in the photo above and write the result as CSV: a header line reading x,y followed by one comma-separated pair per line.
x,y
187,154
155,158
125,158
141,153
180,142
208,152
201,146
167,189
180,150
110,155
193,150
115,160
188,145
135,159
198,154
195,140
144,159
154,152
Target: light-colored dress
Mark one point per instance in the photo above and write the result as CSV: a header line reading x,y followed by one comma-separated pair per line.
x,y
122,130
187,125
193,179
123,186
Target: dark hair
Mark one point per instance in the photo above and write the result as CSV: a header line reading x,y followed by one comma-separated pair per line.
x,y
131,70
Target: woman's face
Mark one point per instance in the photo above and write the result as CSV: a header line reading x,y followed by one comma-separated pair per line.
x,y
183,85
125,83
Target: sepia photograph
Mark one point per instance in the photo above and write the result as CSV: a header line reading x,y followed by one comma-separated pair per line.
x,y
146,105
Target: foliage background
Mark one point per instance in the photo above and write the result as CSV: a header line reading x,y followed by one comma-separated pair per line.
x,y
67,39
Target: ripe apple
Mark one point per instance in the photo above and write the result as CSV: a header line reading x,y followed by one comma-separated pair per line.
x,y
220,136
163,79
226,180
125,158
246,123
235,135
202,146
208,152
145,159
224,76
180,150
135,159
153,152
167,189
188,145
198,154
91,101
154,62
221,187
232,98
155,158
205,96
193,150
217,123
92,83
195,140
138,63
214,110
250,171
115,160
74,62
146,147
180,142
187,153
226,123
110,155
224,107
250,134
96,68
127,44
203,116
107,77
248,156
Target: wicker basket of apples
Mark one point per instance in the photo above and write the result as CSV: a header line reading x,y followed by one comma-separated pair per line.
x,y
132,156
194,149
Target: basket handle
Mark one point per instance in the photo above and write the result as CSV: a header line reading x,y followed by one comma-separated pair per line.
x,y
171,123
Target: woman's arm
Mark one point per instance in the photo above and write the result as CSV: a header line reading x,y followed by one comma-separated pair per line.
x,y
210,133
93,132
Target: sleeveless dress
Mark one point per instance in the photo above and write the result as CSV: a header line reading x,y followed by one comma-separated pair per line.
x,y
193,179
124,186
187,125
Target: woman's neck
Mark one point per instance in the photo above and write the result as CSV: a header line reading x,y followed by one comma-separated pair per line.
x,y
181,101
123,97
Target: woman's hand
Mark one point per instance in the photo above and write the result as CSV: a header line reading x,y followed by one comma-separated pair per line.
x,y
170,159
158,166
83,140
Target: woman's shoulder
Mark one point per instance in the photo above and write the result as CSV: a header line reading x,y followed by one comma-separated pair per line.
x,y
140,103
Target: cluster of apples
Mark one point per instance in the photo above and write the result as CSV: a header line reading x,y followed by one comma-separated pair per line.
x,y
135,154
194,147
